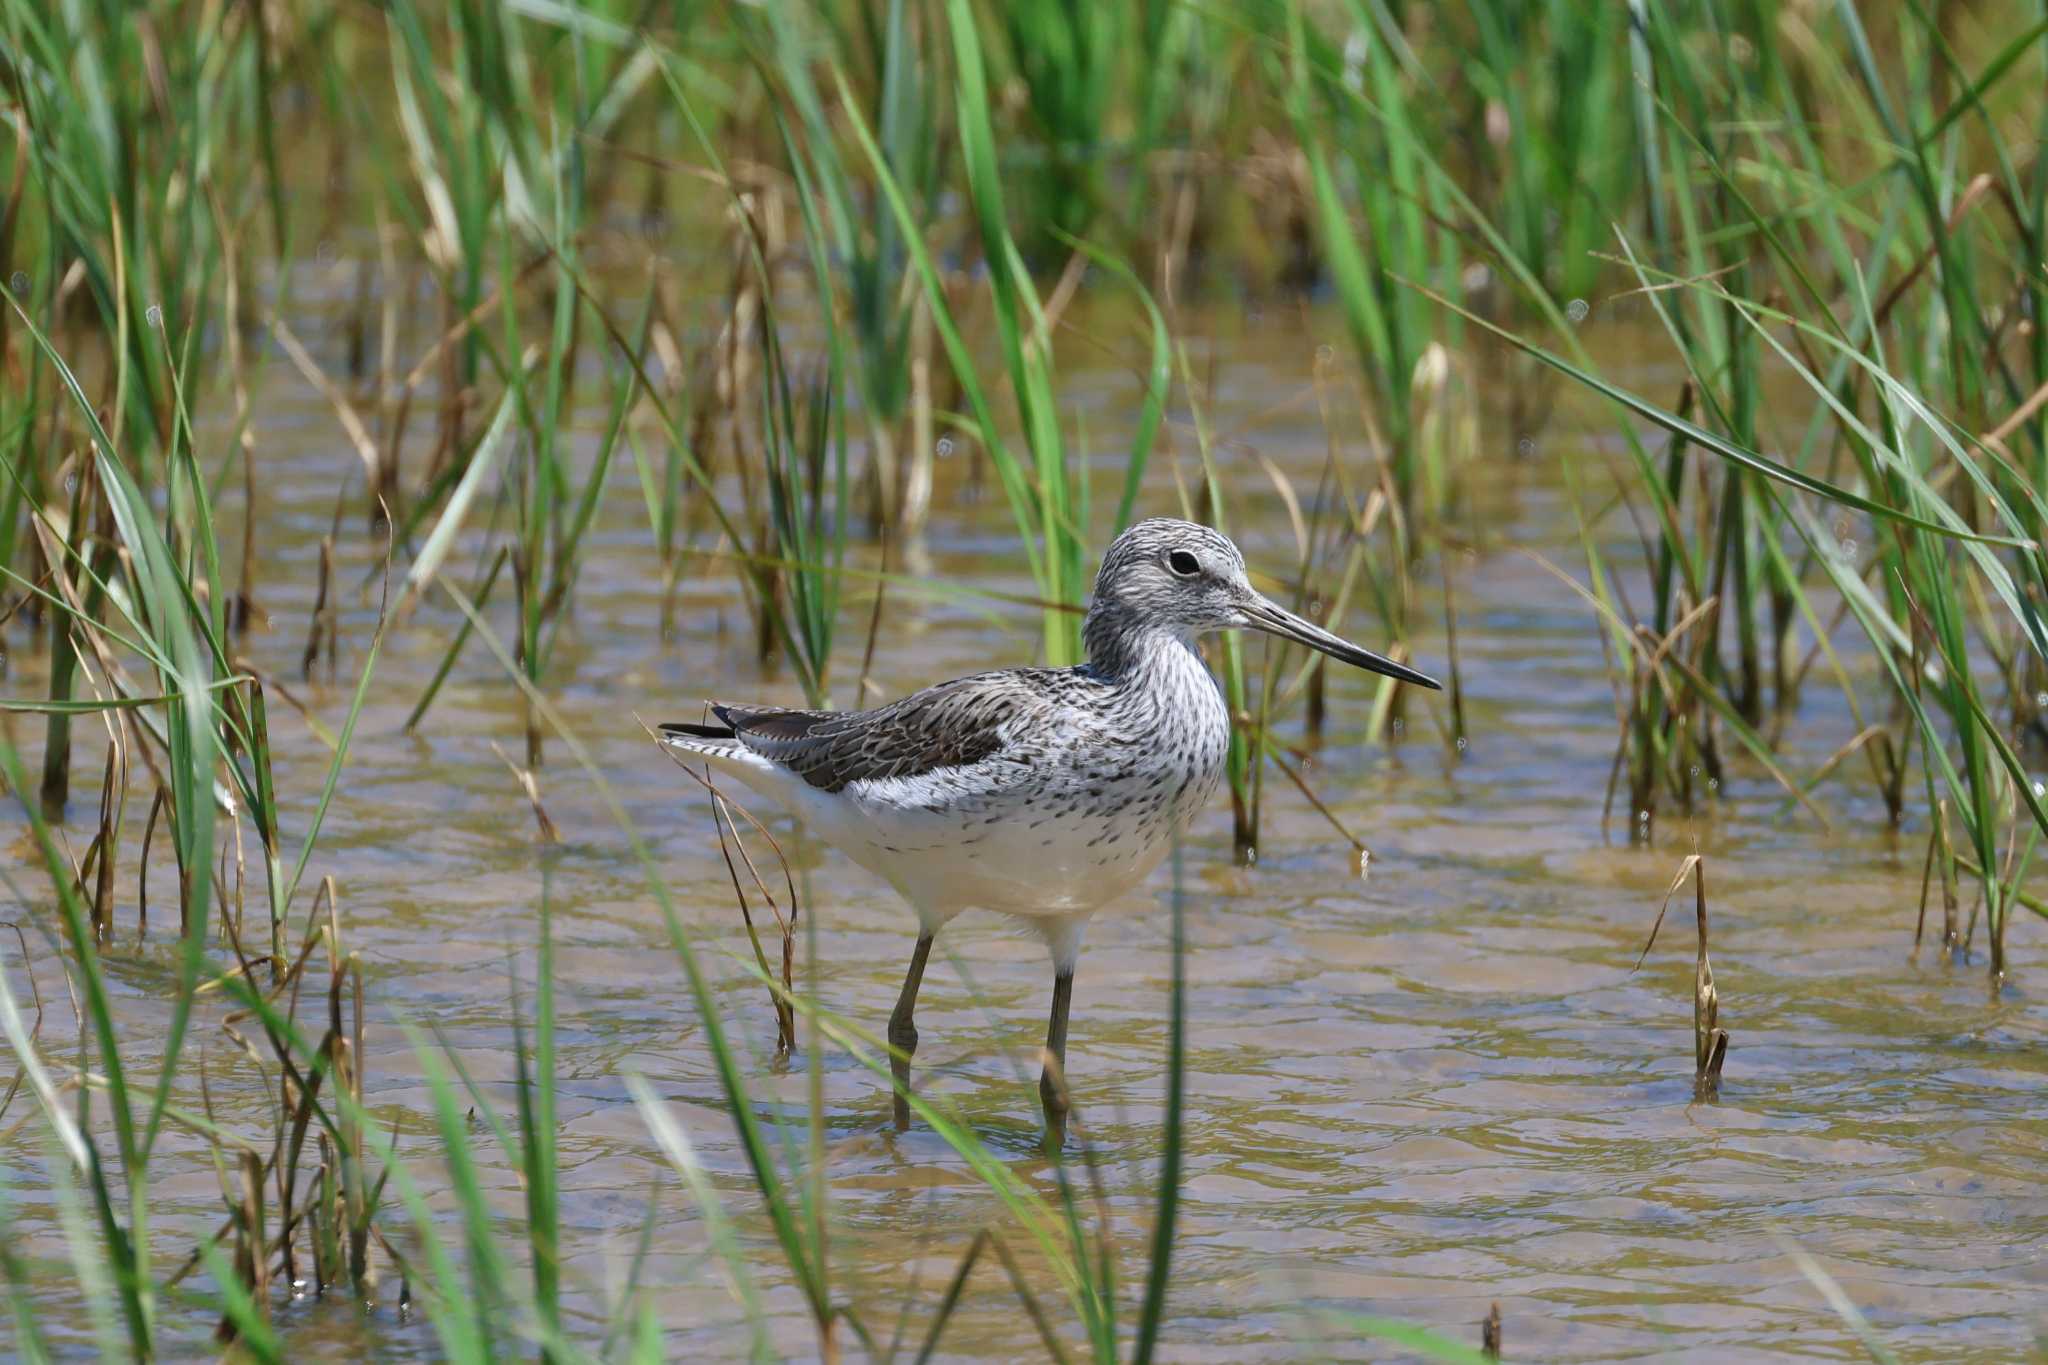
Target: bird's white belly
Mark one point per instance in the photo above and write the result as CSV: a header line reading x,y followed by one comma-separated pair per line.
x,y
1007,856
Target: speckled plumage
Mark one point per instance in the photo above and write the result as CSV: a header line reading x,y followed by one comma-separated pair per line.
x,y
1042,793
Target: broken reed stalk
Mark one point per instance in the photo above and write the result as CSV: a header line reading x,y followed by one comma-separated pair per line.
x,y
35,1030
785,1011
56,787
252,1253
100,857
1457,679
1709,1039
522,588
336,1215
529,784
322,631
722,811
64,646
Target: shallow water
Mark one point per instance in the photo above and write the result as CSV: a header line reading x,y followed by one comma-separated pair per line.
x,y
1412,1096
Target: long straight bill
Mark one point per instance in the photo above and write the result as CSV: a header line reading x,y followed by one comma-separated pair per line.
x,y
1269,616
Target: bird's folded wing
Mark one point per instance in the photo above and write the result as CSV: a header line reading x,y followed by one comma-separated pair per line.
x,y
949,726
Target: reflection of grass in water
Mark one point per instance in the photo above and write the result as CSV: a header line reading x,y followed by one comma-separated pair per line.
x,y
1790,197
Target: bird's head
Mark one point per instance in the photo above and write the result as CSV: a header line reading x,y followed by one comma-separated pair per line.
x,y
1189,579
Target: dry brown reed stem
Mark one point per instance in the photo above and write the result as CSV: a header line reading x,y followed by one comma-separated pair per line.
x,y
1710,1040
35,1030
448,433
356,326
55,792
443,351
242,605
722,808
390,293
356,1193
531,786
919,472
99,856
321,628
785,1011
1660,659
88,629
2016,419
332,1202
1972,194
867,656
1359,852
10,214
159,802
352,424
1032,1308
252,1252
1489,1334
1457,681
951,1298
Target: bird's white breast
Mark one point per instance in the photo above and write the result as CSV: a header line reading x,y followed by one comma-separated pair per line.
x,y
1066,817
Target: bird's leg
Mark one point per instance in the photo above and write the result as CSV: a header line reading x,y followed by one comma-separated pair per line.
x,y
1052,1084
903,1028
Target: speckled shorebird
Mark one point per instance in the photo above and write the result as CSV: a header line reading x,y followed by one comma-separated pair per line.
x,y
1043,793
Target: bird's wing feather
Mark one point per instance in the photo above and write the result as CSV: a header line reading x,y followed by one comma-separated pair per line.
x,y
952,725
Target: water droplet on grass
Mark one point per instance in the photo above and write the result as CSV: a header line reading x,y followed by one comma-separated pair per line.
x,y
18,282
1577,309
153,315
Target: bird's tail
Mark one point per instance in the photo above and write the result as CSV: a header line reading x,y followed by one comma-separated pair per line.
x,y
680,730
710,740
721,746
713,740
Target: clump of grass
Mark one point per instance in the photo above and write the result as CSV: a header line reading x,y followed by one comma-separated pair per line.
x,y
194,717
888,339
1363,147
1067,59
1048,495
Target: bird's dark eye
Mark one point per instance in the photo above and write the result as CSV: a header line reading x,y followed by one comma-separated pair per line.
x,y
1183,563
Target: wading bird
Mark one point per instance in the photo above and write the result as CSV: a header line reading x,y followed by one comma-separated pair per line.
x,y
1042,793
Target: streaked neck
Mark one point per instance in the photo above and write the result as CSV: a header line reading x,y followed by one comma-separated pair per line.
x,y
1122,647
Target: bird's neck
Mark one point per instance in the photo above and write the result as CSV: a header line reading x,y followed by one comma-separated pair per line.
x,y
1123,648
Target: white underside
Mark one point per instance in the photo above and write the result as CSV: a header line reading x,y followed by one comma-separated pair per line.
x,y
1051,873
